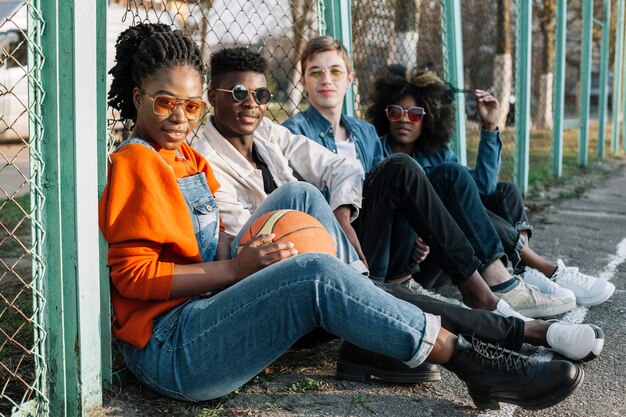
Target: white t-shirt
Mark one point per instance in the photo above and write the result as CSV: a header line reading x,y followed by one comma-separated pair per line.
x,y
347,149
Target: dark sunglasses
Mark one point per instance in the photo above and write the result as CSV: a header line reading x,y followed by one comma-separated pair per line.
x,y
395,113
164,105
240,92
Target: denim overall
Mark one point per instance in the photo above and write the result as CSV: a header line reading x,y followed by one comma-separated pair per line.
x,y
200,203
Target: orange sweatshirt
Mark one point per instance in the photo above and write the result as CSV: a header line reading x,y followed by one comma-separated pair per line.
x,y
144,218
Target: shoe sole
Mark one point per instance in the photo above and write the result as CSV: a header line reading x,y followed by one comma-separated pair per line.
x,y
537,312
361,373
492,402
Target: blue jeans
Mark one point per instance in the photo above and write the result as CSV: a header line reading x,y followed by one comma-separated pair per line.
x,y
305,197
208,347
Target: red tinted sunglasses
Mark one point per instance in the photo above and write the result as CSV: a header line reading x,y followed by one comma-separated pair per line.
x,y
395,113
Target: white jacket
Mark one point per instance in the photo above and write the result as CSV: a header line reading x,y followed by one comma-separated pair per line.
x,y
286,155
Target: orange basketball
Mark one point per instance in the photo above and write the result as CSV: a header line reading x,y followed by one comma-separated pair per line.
x,y
302,229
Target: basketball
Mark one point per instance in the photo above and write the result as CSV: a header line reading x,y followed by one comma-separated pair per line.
x,y
303,230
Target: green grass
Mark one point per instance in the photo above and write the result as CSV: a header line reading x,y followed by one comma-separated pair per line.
x,y
309,384
14,226
540,170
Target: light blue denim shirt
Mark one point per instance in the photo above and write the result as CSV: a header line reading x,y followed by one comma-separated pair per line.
x,y
487,162
313,125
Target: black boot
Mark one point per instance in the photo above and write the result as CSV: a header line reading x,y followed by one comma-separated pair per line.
x,y
494,374
356,364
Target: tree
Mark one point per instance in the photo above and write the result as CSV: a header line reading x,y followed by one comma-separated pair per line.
x,y
545,10
503,62
301,12
404,46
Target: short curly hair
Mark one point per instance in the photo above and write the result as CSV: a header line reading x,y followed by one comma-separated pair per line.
x,y
429,91
142,51
239,58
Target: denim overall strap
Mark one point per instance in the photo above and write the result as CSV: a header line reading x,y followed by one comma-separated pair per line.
x,y
200,203
204,213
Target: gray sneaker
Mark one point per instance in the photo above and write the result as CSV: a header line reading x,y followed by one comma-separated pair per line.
x,y
416,288
530,302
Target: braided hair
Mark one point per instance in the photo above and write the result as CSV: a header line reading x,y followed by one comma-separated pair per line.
x,y
428,91
142,51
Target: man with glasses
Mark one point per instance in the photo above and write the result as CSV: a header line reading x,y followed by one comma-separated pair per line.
x,y
252,156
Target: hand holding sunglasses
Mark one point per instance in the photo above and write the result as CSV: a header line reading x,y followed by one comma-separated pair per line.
x,y
240,92
395,113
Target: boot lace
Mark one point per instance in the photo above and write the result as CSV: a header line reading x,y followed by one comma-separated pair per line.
x,y
499,357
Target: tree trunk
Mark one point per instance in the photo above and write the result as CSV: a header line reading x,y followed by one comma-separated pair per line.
x,y
546,12
544,106
502,84
300,12
503,63
404,44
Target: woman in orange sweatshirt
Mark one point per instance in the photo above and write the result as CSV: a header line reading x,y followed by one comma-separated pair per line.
x,y
194,323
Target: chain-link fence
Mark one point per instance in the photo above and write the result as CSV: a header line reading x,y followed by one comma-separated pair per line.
x,y
278,29
22,332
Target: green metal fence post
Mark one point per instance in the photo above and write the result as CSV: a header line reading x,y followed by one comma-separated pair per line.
x,y
618,77
338,24
453,66
603,98
522,91
585,82
623,98
70,120
105,305
559,88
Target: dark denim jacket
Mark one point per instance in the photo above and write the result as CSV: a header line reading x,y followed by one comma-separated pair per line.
x,y
487,161
313,125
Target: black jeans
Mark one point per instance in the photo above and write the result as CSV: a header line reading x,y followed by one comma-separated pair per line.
x,y
507,332
399,187
507,213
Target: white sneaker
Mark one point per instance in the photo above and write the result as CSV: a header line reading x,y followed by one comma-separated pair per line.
x,y
579,342
530,302
504,309
416,288
546,285
590,291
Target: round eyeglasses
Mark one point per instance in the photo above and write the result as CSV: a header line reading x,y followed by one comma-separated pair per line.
x,y
164,105
395,113
240,92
